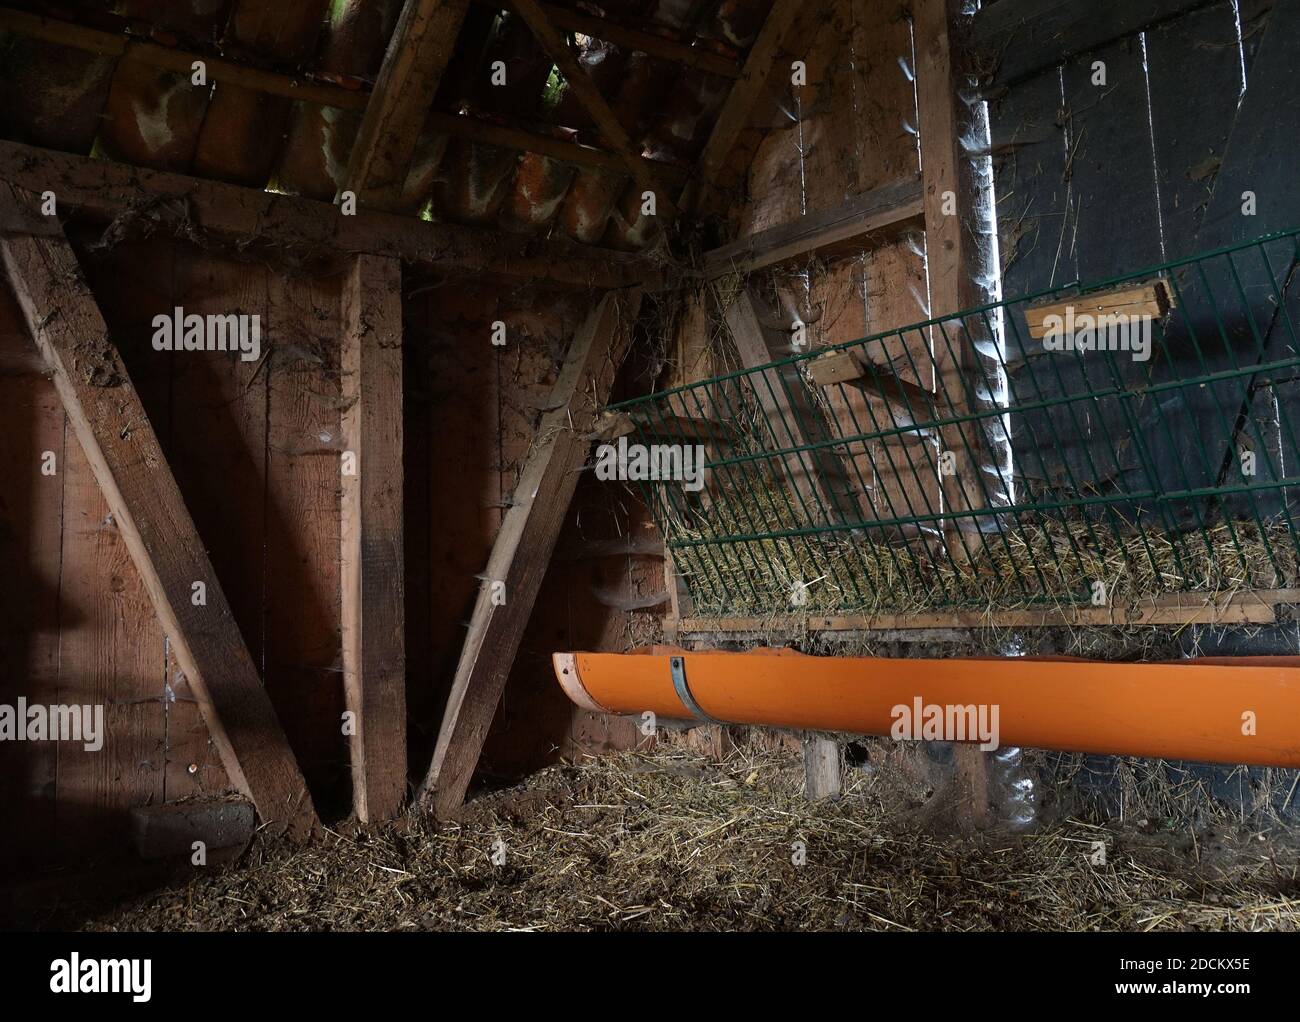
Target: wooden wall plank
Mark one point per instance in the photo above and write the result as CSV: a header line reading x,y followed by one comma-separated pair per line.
x,y
303,670
371,534
457,382
217,450
31,525
114,659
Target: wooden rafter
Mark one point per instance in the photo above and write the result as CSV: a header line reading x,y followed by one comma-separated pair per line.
x,y
468,126
110,422
524,544
607,122
418,52
249,218
883,212
479,129
374,648
167,58
740,102
569,20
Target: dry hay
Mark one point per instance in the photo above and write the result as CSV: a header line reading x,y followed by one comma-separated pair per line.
x,y
672,842
1037,563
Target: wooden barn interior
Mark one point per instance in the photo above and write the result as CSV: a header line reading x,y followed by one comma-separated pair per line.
x,y
322,322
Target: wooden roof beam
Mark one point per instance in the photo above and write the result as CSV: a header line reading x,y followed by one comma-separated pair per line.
x,y
662,47
115,44
607,122
422,44
273,83
739,106
250,218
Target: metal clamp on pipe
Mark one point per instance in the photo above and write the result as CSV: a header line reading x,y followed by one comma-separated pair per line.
x,y
677,666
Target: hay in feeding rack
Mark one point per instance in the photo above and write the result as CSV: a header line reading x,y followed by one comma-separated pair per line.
x,y
1031,563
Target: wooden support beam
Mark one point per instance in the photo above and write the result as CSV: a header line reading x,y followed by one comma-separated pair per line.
x,y
736,111
476,129
570,20
954,260
816,477
374,649
417,54
257,221
105,412
523,546
607,122
848,366
821,766
880,213
672,428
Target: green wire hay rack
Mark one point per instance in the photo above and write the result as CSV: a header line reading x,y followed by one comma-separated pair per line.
x,y
997,459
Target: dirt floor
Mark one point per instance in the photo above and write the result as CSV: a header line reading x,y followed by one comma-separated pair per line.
x,y
673,841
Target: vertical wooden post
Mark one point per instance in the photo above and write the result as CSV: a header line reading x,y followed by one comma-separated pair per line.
x,y
374,650
956,260
821,766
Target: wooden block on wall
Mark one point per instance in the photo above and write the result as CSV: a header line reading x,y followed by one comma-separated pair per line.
x,y
1153,300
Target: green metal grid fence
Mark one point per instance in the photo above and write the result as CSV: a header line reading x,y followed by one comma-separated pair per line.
x,y
1068,472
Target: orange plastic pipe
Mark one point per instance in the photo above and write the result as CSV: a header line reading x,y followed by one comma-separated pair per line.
x,y
1193,710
